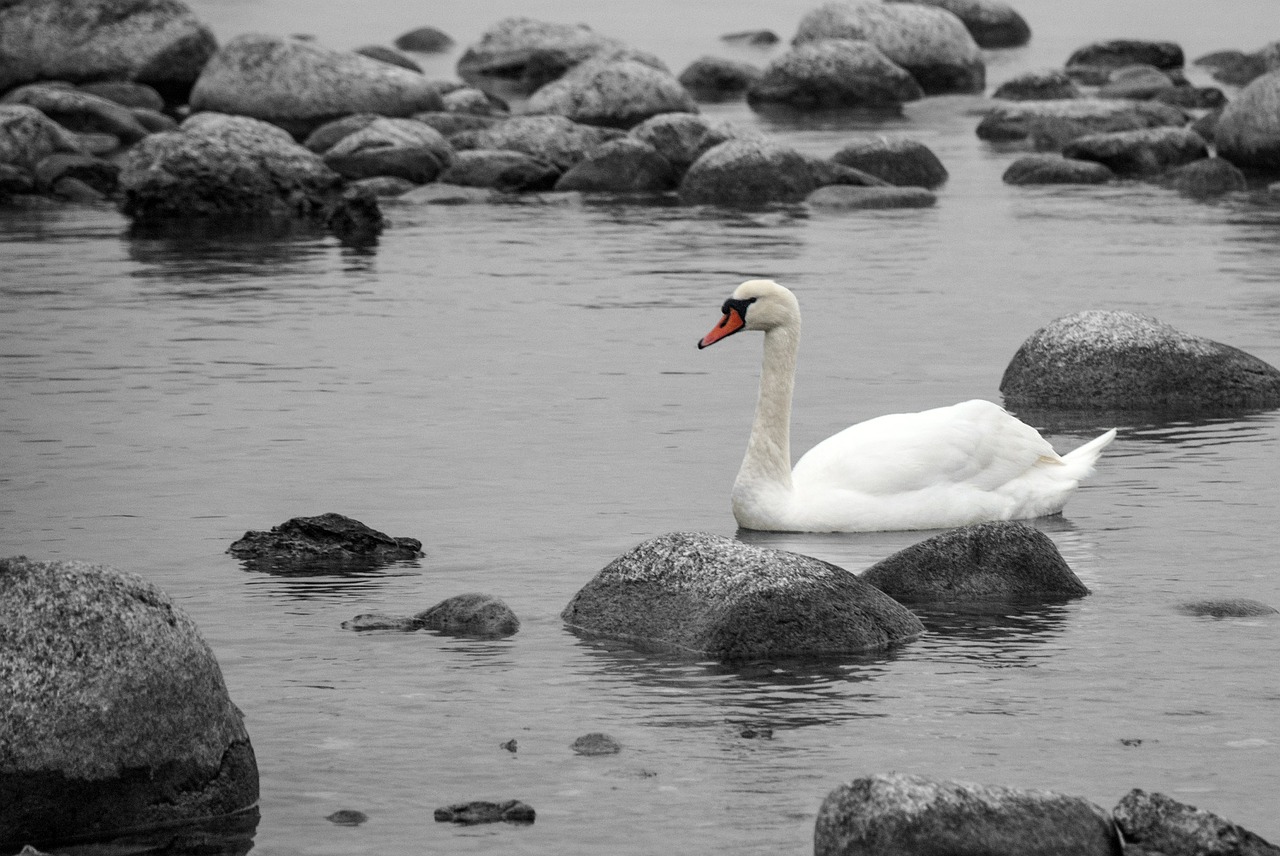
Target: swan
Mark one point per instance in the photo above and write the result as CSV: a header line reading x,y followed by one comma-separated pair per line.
x,y
936,469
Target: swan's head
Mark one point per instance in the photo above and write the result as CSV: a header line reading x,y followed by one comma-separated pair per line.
x,y
757,304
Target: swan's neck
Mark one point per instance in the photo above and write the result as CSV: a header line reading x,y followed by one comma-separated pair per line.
x,y
768,459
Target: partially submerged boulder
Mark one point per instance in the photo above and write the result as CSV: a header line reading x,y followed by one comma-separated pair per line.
x,y
900,161
613,94
1248,131
1235,607
1142,153
482,811
115,714
403,148
1004,561
505,171
1094,62
840,73
1055,169
850,197
28,136
329,539
1049,84
1050,125
478,615
713,596
1161,824
755,172
711,78
992,23
1102,359
900,815
555,139
1206,177
621,166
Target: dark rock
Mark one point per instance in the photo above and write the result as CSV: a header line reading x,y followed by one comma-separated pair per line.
x,y
347,817
612,94
1139,153
900,161
453,194
714,596
851,197
930,43
555,139
78,111
101,175
1247,133
621,166
506,171
1233,67
28,136
153,121
473,102
755,38
511,811
330,538
510,745
424,40
115,714
1118,53
756,733
1239,607
1039,85
327,135
596,743
900,815
1050,125
479,615
125,93
1118,360
1192,97
992,24
1205,177
1055,169
449,123
835,73
1136,82
15,179
754,172
1161,824
356,219
72,189
1006,560
382,621
682,138
385,54
711,78
404,148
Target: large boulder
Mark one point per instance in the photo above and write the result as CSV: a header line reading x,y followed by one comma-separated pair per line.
x,y
115,715
1006,560
157,42
614,94
1161,824
1237,68
1094,62
901,815
1248,131
555,139
930,43
28,136
834,73
300,85
1050,125
713,596
1103,359
901,161
754,172
992,23
1146,152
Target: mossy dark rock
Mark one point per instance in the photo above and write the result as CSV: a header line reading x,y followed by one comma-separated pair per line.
x,y
480,811
115,714
1103,359
1005,560
324,539
1161,824
714,596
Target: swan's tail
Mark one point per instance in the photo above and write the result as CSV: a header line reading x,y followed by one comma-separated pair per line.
x,y
1080,461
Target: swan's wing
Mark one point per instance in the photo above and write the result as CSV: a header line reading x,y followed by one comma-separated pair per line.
x,y
975,443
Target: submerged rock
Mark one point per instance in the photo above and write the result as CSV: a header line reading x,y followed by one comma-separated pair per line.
x,y
480,811
115,714
1005,560
900,815
1240,607
714,596
481,615
1050,125
1103,359
1055,169
1147,152
1160,824
329,538
852,197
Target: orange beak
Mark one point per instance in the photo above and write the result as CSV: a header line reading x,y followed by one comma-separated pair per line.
x,y
731,323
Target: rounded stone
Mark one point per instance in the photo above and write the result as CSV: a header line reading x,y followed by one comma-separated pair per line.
x,y
849,197
898,160
1055,169
1239,607
1248,131
612,93
712,78
627,165
1038,85
992,24
834,73
474,614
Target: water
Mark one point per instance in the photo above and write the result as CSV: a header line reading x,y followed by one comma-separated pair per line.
x,y
518,387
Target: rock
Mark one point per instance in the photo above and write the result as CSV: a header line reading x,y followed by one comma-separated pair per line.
x,y
72,189
1118,360
713,596
1192,97
28,136
1147,152
898,160
1239,607
834,73
479,615
621,166
327,135
473,102
152,121
382,621
1038,85
116,717
1102,58
930,43
102,175
711,78
450,123
1248,131
156,42
331,539
682,138
612,94
900,815
506,171
125,93
15,180
511,811
596,743
424,40
1136,82
1004,561
1161,824
510,745
452,194
992,24
1050,125
1055,169
1205,177
392,57
79,111
301,85
555,139
403,148
851,197
753,38
753,172
1233,67
347,817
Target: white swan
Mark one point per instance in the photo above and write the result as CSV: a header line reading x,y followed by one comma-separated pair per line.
x,y
936,469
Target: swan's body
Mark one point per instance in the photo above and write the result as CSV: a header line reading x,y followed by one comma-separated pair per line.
x,y
936,469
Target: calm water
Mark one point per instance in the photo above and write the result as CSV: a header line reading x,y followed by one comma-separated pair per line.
x,y
518,387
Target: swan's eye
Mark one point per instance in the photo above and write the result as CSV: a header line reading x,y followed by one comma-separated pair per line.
x,y
739,305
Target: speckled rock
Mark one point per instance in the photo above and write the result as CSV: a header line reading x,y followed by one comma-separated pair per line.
x,y
900,815
1158,823
713,596
1248,131
834,73
1094,62
1146,152
992,24
300,85
1047,84
115,714
596,743
28,136
930,43
157,42
754,172
555,139
621,166
1050,125
849,197
327,538
450,123
612,93
1103,359
474,614
1239,607
1055,169
682,138
327,135
79,111
711,78
1206,177
1006,560
506,171
480,811
404,148
898,160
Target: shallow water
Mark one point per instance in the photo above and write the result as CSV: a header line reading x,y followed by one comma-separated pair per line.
x,y
518,387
